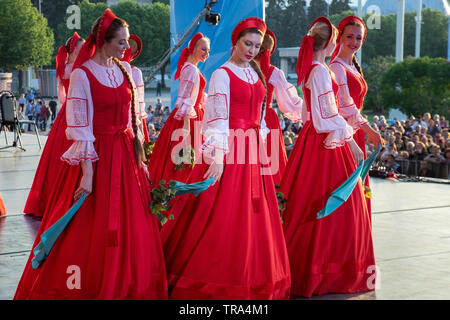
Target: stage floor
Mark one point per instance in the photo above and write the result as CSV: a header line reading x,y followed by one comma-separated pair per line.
x,y
411,231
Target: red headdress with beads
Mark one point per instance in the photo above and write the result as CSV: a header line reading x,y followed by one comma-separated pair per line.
x,y
306,53
344,22
63,55
247,23
264,62
186,52
129,55
89,47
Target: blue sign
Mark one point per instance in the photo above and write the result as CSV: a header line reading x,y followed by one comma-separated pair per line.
x,y
184,12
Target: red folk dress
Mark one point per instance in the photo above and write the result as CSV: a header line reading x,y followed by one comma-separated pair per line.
x,y
112,244
140,102
228,242
162,162
50,165
352,90
290,104
332,254
273,123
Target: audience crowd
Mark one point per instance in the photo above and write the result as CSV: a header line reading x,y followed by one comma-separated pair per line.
x,y
415,146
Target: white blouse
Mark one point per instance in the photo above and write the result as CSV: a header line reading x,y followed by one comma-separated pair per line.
x,y
80,109
324,110
139,92
60,88
187,92
347,107
215,125
286,95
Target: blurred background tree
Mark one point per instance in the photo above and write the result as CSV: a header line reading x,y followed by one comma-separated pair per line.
x,y
338,6
26,39
373,74
419,85
151,23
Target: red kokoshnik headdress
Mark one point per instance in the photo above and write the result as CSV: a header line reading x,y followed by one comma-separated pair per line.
x,y
247,23
89,47
129,55
344,22
186,52
264,62
306,53
63,54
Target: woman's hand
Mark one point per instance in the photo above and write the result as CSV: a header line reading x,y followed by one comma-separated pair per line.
x,y
215,171
187,136
86,180
373,135
358,155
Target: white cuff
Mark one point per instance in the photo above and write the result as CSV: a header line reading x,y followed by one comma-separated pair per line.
x,y
78,151
213,142
184,110
356,121
338,138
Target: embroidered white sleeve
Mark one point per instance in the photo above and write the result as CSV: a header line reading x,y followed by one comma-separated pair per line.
x,y
79,115
136,101
347,107
287,96
264,130
61,92
187,93
215,125
324,111
327,105
140,92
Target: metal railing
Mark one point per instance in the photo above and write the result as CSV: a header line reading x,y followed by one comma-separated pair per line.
x,y
416,169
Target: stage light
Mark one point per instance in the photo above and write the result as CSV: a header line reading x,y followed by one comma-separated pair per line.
x,y
213,18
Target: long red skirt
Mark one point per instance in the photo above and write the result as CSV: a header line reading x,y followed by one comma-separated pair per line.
x,y
111,249
360,139
2,206
279,156
49,167
333,254
161,166
219,246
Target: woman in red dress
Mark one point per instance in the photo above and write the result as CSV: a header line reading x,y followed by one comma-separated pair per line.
x,y
131,54
170,158
111,249
50,165
288,102
331,254
352,86
228,242
2,206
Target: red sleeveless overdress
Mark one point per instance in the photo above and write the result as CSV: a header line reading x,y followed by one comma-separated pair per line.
x,y
228,242
273,123
333,254
113,240
50,164
161,166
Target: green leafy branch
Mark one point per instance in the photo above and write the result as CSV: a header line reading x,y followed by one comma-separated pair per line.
x,y
187,155
160,198
148,149
281,199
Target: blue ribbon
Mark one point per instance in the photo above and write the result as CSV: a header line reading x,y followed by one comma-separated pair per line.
x,y
195,188
49,237
343,192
